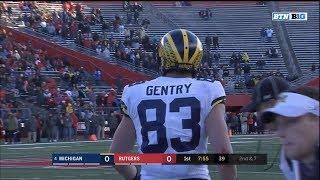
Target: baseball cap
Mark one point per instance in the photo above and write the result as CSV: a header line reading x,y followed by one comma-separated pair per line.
x,y
291,104
266,89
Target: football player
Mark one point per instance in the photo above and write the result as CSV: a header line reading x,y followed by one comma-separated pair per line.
x,y
174,113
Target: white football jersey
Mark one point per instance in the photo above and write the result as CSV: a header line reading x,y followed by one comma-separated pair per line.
x,y
169,117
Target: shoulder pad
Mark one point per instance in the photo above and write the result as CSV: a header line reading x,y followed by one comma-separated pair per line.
x,y
205,79
135,83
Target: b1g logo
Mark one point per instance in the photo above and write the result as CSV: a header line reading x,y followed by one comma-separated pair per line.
x,y
289,16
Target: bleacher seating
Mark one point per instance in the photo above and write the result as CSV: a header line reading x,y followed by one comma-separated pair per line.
x,y
235,23
304,36
115,7
237,26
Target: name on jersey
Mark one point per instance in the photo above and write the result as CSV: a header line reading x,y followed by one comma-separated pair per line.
x,y
165,90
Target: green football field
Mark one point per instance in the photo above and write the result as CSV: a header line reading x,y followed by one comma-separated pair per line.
x,y
32,161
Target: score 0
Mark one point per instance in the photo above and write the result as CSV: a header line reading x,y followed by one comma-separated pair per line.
x,y
169,159
106,159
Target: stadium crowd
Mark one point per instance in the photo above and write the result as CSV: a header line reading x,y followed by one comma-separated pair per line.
x,y
40,105
136,48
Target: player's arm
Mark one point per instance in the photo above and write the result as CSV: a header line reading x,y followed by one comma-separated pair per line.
x,y
123,141
217,131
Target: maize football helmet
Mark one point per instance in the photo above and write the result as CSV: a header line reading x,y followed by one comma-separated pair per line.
x,y
180,50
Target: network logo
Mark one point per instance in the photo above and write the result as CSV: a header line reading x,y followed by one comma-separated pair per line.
x,y
289,16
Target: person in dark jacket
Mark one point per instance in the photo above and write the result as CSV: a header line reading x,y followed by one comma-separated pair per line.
x,y
67,127
100,121
208,42
215,41
50,124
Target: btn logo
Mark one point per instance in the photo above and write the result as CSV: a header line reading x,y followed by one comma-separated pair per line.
x,y
289,16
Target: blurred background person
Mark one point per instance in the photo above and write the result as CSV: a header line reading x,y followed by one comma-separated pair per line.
x,y
295,119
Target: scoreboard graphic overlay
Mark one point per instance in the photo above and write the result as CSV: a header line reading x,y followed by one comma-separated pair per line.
x,y
82,159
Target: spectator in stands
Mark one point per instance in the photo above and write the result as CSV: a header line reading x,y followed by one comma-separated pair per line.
x,y
95,36
137,7
105,26
99,49
121,29
88,119
56,124
97,76
12,127
113,123
74,126
263,34
207,58
67,126
99,118
129,17
246,71
50,123
216,57
250,82
131,34
278,73
215,41
136,17
125,5
273,52
245,57
269,32
205,14
233,123
313,67
250,123
39,127
243,121
208,42
237,72
9,11
261,63
106,53
225,72
233,58
16,55
51,29
238,59
145,23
